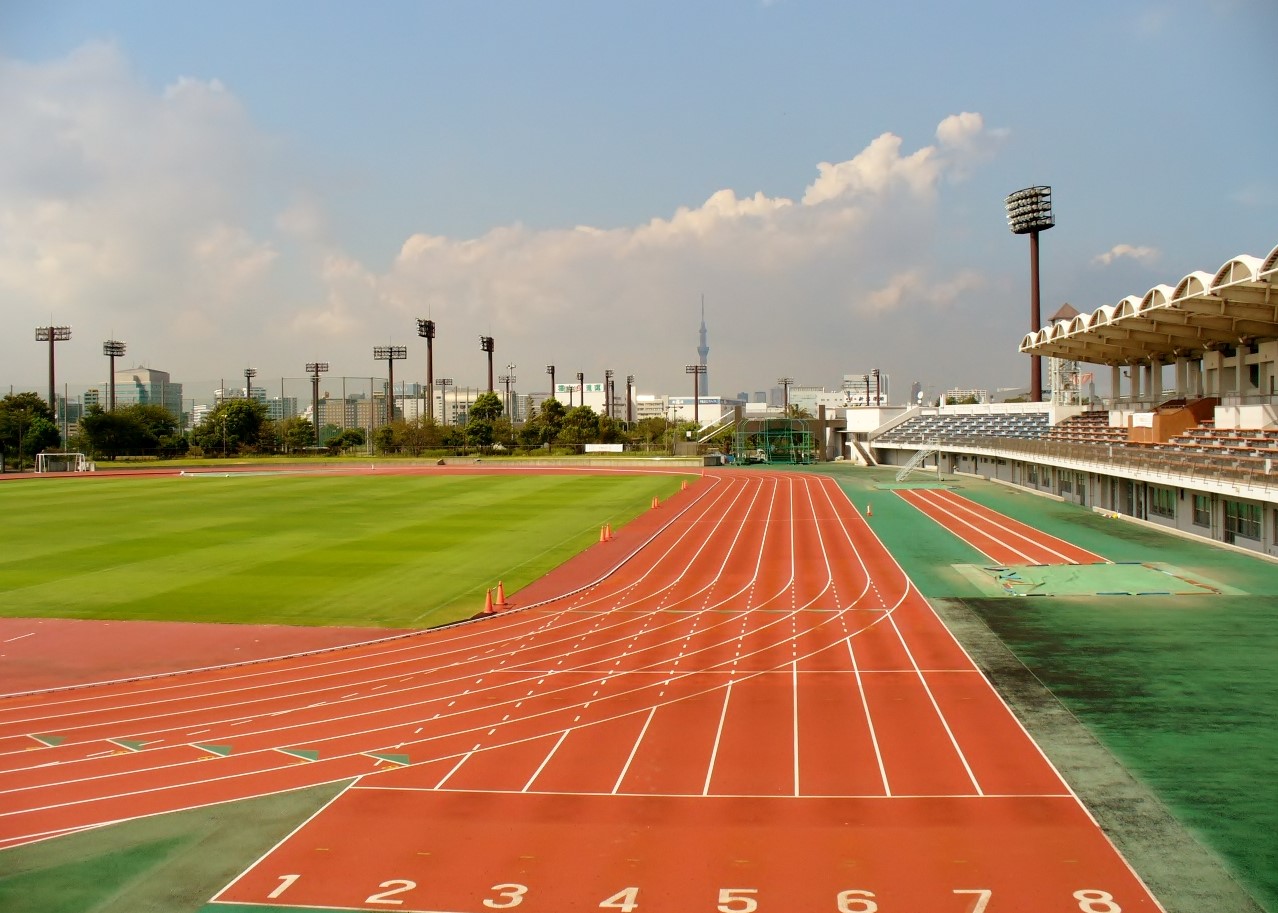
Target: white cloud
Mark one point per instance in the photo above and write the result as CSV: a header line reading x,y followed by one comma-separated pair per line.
x,y
172,221
1145,255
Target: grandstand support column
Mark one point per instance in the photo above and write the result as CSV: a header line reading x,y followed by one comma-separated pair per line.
x,y
1182,375
1115,383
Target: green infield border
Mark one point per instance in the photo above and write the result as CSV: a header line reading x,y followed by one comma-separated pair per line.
x,y
1181,691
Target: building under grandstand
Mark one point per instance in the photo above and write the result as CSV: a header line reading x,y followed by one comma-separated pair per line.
x,y
1188,439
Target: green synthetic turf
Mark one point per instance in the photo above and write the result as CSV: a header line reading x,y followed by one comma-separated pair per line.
x,y
389,550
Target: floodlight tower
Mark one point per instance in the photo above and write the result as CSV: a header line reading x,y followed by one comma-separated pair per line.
x,y
608,392
315,369
581,388
51,335
444,383
1029,212
878,390
390,355
550,369
486,345
696,371
785,383
426,330
249,374
630,386
112,349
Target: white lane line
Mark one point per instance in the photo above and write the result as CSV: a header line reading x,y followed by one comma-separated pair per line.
x,y
727,695
633,751
545,761
869,721
20,636
794,709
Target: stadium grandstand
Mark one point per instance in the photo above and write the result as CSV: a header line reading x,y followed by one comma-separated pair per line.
x,y
1187,439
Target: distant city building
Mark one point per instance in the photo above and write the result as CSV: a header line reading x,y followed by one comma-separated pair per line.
x,y
147,386
866,389
960,395
916,393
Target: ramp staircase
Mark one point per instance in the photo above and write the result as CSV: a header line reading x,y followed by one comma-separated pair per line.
x,y
915,462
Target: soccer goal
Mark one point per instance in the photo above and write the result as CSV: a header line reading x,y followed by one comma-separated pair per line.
x,y
63,462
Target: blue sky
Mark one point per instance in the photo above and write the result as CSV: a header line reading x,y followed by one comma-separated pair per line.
x,y
228,184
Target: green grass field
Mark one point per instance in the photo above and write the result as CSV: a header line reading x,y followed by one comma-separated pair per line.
x,y
375,550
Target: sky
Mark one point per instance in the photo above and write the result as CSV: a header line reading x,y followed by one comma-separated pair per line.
x,y
237,184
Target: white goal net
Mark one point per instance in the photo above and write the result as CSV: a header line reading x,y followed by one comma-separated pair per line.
x,y
63,462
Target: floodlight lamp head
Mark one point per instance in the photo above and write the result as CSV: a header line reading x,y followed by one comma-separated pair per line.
x,y
56,334
425,328
1029,210
486,344
317,367
113,347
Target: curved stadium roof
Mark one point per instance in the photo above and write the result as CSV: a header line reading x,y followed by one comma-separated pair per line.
x,y
1237,304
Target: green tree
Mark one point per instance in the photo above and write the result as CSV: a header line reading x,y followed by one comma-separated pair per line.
x,y
580,426
649,431
234,425
350,437
18,412
297,433
487,407
42,435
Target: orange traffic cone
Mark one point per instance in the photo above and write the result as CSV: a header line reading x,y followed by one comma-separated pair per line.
x,y
501,596
488,602
683,486
655,502
603,534
607,532
869,511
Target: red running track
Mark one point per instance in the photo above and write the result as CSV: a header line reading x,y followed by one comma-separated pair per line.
x,y
754,710
996,536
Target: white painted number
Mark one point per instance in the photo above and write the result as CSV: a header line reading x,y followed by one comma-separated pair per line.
x,y
396,886
286,881
983,896
738,900
512,895
854,901
1090,901
624,900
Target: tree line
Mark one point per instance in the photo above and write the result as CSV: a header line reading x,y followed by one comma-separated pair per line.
x,y
236,427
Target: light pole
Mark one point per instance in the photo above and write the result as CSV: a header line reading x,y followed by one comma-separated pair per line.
x,y
696,371
785,383
1029,212
249,374
506,380
112,349
486,345
444,383
608,392
315,369
426,330
630,385
878,390
390,355
581,388
51,335
550,369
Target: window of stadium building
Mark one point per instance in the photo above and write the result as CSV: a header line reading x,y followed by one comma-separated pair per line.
x,y
1243,519
1031,474
1202,510
1162,501
1067,483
